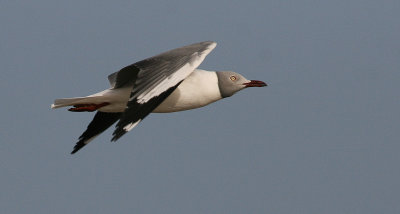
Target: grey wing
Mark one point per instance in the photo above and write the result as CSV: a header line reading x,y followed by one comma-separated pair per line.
x,y
154,79
112,78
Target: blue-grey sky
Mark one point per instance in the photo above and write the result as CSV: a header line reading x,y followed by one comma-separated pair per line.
x,y
323,137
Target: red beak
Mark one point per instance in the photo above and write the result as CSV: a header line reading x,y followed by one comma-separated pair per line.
x,y
255,83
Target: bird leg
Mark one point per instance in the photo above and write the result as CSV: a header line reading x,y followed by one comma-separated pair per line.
x,y
87,107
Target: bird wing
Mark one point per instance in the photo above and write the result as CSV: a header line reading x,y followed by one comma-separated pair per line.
x,y
100,122
154,79
112,78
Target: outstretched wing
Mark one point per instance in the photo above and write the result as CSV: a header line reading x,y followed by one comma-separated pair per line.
x,y
154,79
100,122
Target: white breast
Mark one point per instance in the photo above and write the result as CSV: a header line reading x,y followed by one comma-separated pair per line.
x,y
197,90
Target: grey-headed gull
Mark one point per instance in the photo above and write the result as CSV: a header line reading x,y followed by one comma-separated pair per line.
x,y
168,82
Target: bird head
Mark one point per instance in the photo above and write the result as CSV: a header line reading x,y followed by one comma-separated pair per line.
x,y
230,82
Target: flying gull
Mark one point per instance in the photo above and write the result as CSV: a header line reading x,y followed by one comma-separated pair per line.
x,y
168,82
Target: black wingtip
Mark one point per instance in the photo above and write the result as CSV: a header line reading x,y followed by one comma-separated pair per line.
x,y
77,147
117,134
100,122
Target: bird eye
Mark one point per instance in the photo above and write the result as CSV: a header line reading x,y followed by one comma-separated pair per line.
x,y
233,78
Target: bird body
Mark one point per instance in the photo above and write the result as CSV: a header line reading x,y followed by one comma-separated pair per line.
x,y
201,84
168,82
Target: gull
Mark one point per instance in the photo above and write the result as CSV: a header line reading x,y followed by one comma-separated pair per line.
x,y
168,82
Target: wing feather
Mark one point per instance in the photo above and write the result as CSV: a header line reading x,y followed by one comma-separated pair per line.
x,y
154,79
100,122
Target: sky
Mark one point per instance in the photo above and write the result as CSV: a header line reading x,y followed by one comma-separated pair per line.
x,y
323,137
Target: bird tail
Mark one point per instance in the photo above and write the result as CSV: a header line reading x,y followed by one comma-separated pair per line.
x,y
58,103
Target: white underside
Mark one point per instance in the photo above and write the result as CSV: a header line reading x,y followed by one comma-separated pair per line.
x,y
197,90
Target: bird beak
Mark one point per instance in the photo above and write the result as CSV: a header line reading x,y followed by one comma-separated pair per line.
x,y
255,83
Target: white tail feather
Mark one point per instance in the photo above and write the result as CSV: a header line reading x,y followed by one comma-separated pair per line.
x,y
58,103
